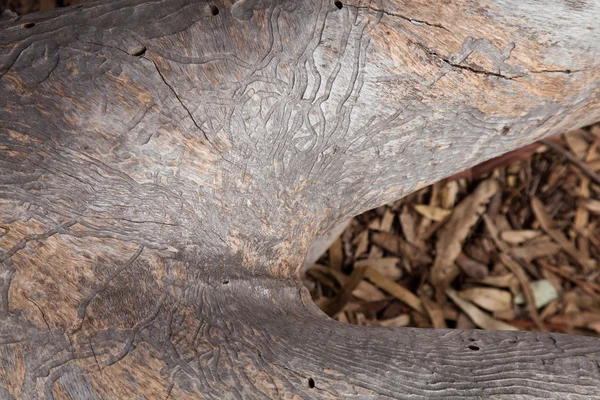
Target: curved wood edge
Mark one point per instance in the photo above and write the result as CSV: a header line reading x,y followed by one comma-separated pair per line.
x,y
263,338
295,114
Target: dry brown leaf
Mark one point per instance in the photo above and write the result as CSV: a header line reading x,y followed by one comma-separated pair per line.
x,y
576,142
504,281
420,321
502,223
549,226
539,209
332,306
338,275
593,152
553,279
350,310
583,245
375,252
436,313
450,312
388,266
589,287
595,326
407,222
583,300
517,237
479,250
434,199
490,299
431,230
342,317
367,292
399,292
387,221
594,165
449,194
552,308
543,246
362,242
472,268
514,168
480,318
433,213
582,216
395,245
571,308
375,224
336,254
454,232
506,256
516,269
399,321
506,315
591,205
361,319
576,319
325,276
464,322
568,269
387,241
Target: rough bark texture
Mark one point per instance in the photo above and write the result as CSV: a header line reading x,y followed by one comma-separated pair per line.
x,y
165,165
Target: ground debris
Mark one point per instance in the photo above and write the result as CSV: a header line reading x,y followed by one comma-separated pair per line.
x,y
513,243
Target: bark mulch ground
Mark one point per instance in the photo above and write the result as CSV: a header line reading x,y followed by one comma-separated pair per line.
x,y
513,243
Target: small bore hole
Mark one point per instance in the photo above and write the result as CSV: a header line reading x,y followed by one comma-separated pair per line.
x,y
225,282
471,339
505,130
473,347
310,383
139,51
338,4
214,10
28,25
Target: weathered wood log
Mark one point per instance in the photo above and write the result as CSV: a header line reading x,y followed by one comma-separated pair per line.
x,y
165,166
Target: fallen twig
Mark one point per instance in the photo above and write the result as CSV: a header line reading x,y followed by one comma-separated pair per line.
x,y
578,163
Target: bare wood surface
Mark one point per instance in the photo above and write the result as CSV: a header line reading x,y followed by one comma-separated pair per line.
x,y
166,165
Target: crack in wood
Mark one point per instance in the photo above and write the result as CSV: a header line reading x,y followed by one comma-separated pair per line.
x,y
409,19
187,110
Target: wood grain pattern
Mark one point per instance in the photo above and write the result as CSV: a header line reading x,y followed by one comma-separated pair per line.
x,y
165,166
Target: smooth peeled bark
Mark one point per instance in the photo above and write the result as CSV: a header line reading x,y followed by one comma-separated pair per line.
x,y
165,165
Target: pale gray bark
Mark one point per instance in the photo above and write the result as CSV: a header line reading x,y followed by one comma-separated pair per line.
x,y
165,166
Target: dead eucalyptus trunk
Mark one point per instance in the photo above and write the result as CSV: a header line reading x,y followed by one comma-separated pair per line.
x,y
165,165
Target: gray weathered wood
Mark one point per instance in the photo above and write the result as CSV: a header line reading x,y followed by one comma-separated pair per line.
x,y
165,166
